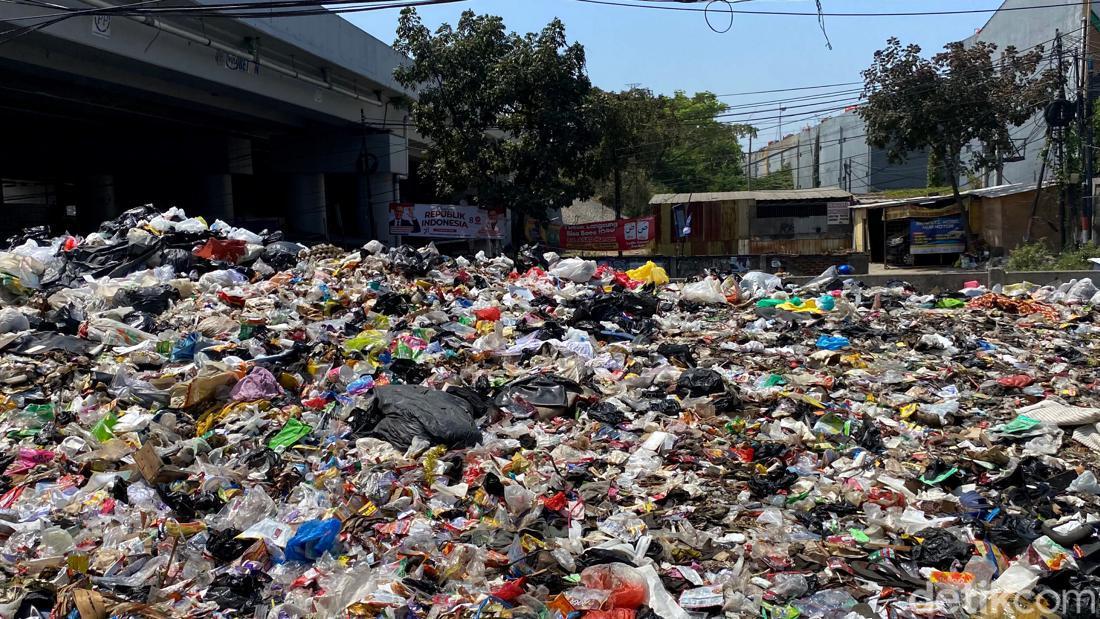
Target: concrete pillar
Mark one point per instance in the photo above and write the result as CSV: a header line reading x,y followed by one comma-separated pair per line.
x,y
307,204
218,197
383,191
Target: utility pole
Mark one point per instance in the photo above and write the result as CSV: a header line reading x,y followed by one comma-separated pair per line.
x,y
1060,161
1084,96
840,179
749,175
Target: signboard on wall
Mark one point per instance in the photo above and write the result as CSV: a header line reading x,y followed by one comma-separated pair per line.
x,y
610,235
941,235
445,221
838,213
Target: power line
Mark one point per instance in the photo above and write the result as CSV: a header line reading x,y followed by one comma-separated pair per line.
x,y
733,11
792,89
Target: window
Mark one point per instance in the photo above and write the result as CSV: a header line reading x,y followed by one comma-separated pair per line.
x,y
791,210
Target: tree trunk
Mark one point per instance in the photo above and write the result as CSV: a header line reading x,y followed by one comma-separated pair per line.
x,y
953,169
618,198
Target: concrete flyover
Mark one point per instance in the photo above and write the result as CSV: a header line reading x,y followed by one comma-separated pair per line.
x,y
293,122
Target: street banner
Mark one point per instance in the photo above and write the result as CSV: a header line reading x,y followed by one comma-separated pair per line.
x,y
942,235
624,234
445,221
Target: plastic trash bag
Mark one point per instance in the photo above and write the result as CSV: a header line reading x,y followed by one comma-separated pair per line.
x,y
708,290
290,434
223,251
700,382
181,260
399,414
151,299
760,283
828,342
1082,291
547,394
649,273
576,270
627,587
232,590
939,548
827,277
12,320
282,255
313,539
260,384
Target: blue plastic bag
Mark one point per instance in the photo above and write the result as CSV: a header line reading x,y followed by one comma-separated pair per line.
x,y
832,343
185,349
312,540
826,303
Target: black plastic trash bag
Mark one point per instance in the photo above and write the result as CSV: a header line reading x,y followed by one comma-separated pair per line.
x,y
483,407
680,353
181,260
237,591
150,299
281,255
606,412
409,371
550,395
392,304
400,413
1013,533
699,382
939,548
39,234
224,546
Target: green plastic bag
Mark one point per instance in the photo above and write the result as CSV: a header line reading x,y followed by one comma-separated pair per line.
x,y
950,303
1023,423
291,433
103,429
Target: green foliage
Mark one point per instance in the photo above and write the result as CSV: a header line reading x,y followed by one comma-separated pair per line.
x,y
783,179
509,117
666,144
706,155
1030,257
916,192
935,170
960,96
1077,259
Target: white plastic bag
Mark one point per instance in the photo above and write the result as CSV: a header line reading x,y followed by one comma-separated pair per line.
x,y
574,269
708,290
758,282
27,269
193,224
1081,292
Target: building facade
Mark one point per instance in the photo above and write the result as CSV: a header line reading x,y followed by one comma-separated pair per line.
x,y
835,153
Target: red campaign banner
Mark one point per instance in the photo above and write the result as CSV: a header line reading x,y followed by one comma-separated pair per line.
x,y
610,235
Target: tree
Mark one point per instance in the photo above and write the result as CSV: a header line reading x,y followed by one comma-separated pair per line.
x,y
509,117
654,143
961,96
707,155
637,130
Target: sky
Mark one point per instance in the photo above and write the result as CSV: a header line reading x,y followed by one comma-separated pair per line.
x,y
672,50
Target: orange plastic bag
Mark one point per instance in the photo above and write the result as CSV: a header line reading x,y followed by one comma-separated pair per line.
x,y
628,588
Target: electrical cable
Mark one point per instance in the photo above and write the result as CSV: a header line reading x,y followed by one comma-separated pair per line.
x,y
653,6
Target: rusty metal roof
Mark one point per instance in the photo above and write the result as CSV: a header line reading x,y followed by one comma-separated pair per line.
x,y
775,195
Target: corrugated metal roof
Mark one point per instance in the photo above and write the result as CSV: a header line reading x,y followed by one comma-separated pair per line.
x,y
775,195
1004,190
988,192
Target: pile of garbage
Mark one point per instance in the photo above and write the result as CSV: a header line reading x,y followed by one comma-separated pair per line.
x,y
202,421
